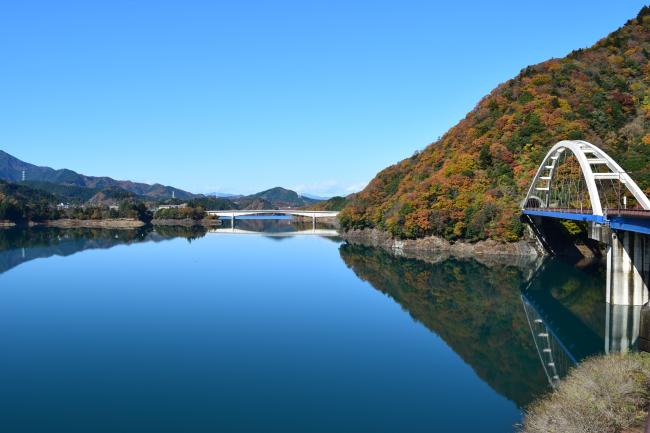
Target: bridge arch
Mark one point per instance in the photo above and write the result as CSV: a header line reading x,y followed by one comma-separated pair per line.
x,y
588,156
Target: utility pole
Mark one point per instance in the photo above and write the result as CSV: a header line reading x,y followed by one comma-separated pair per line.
x,y
173,194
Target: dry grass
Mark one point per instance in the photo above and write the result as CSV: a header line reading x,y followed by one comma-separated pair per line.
x,y
608,394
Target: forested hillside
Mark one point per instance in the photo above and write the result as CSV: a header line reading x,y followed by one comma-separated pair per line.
x,y
274,198
22,203
468,185
335,203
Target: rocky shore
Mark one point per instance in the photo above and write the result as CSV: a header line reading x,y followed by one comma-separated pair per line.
x,y
425,247
187,222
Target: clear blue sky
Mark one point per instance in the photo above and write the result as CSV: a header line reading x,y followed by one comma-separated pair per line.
x,y
241,96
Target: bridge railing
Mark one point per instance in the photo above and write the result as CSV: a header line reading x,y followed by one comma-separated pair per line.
x,y
643,213
635,212
559,209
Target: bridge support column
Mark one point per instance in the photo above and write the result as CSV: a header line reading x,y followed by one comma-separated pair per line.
x,y
622,327
628,268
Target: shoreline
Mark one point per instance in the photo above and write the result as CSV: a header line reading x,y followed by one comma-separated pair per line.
x,y
187,222
433,246
117,223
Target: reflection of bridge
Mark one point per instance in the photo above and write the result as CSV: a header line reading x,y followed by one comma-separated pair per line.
x,y
562,339
578,181
314,232
555,358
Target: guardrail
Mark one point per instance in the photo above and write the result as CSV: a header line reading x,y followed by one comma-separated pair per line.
x,y
637,212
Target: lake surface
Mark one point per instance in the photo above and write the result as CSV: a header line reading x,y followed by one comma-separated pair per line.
x,y
179,330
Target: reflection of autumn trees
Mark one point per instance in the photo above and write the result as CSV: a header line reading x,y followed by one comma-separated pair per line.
x,y
580,293
477,310
469,183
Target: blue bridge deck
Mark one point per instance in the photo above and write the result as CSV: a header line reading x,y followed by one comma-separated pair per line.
x,y
637,221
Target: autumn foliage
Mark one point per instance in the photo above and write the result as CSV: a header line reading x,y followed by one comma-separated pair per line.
x,y
468,185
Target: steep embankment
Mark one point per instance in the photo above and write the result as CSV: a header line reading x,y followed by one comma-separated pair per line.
x,y
468,184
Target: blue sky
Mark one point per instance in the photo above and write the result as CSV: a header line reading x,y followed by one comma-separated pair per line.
x,y
242,96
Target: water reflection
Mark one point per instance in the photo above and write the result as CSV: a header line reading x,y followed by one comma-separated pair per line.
x,y
276,226
521,328
20,245
475,308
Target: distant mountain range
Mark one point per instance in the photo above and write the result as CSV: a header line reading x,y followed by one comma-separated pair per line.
x,y
235,196
12,168
222,195
315,197
70,186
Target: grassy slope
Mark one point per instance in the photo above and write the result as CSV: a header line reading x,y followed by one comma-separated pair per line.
x,y
469,183
607,394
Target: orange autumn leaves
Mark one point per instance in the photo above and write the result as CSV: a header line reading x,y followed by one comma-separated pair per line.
x,y
468,185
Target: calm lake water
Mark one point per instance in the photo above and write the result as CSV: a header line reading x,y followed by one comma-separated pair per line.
x,y
179,330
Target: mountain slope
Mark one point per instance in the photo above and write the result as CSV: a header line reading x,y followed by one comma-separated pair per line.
x,y
274,198
11,169
335,203
469,183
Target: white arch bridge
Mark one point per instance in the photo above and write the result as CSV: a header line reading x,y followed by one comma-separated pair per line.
x,y
579,181
579,178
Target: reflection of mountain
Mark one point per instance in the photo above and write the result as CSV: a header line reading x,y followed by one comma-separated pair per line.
x,y
475,309
478,311
266,225
18,246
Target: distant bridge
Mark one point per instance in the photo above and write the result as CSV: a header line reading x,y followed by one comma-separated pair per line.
x,y
578,181
233,214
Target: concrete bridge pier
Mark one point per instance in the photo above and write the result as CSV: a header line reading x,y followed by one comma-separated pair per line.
x,y
622,327
628,268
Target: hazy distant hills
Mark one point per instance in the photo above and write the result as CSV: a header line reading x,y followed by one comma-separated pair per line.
x,y
11,169
223,195
72,187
